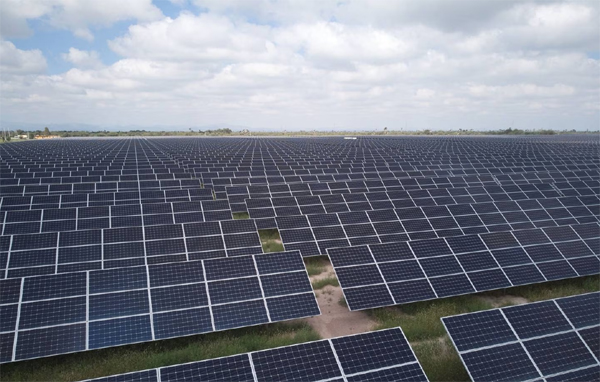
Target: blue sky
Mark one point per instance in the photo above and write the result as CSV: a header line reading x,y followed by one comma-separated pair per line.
x,y
286,64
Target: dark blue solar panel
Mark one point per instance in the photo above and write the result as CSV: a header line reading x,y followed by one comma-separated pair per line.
x,y
307,362
182,323
239,314
141,376
371,351
119,331
481,369
218,269
490,328
55,312
119,304
179,297
294,306
113,280
581,310
235,368
54,286
48,341
559,353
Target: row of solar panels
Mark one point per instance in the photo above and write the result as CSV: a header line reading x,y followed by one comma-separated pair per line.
x,y
35,202
313,234
59,252
126,215
396,273
306,205
120,179
71,312
557,340
238,195
72,188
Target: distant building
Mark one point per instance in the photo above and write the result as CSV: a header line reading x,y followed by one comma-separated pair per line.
x,y
47,136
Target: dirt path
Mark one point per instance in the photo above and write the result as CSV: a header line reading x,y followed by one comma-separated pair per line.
x,y
497,302
336,320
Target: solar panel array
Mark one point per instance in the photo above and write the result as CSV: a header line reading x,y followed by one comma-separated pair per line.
x,y
558,340
68,251
383,355
70,312
74,209
396,273
314,234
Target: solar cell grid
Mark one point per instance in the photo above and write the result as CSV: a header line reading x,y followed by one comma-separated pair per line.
x,y
47,253
380,355
447,188
426,269
536,340
143,303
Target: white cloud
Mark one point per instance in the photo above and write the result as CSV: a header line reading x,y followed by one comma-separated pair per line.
x,y
74,15
283,64
17,61
83,58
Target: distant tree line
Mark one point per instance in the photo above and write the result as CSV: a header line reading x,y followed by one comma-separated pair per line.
x,y
6,136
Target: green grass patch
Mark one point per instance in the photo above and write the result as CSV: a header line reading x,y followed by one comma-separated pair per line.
x,y
440,361
240,215
556,289
272,246
99,363
316,265
342,302
421,320
270,240
320,284
269,234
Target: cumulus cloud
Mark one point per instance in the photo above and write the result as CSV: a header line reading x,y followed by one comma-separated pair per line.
x,y
17,61
83,58
76,16
286,64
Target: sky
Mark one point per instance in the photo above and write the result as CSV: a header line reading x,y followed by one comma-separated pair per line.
x,y
300,65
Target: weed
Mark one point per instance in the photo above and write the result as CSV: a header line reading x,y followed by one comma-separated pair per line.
x,y
439,360
421,320
272,246
556,289
316,265
240,215
269,234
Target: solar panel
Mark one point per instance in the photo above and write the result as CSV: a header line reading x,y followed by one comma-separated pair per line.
x,y
434,268
68,251
556,340
101,308
379,355
477,214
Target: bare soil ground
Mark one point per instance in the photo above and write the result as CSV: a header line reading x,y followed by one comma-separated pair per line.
x,y
497,302
335,319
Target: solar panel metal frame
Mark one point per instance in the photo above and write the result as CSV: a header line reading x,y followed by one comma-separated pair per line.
x,y
568,326
304,359
145,281
424,287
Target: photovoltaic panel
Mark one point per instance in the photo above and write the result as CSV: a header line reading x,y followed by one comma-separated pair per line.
x,y
380,355
435,268
69,251
353,192
102,308
555,340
